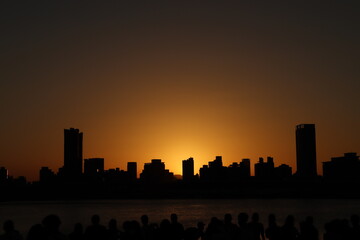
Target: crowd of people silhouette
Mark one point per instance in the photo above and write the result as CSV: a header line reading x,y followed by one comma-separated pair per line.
x,y
217,229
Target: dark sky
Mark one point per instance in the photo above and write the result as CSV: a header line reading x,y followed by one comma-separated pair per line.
x,y
174,79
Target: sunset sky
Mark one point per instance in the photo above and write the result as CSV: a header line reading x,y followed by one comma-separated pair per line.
x,y
177,79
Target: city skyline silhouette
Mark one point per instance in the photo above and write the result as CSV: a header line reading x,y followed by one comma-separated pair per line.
x,y
89,179
223,112
75,166
173,80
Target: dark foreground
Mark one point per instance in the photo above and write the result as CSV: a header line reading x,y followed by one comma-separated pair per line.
x,y
179,190
245,229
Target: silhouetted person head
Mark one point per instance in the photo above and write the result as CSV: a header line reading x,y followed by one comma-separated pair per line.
x,y
243,218
309,220
354,220
165,232
272,220
112,224
327,226
272,232
227,218
134,230
51,223
290,220
174,218
127,226
78,228
144,219
216,221
135,225
77,233
36,232
213,220
191,234
165,224
215,226
8,226
345,224
255,217
95,219
201,226
95,231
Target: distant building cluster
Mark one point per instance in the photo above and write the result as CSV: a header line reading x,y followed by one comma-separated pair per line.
x,y
268,170
215,171
76,168
345,167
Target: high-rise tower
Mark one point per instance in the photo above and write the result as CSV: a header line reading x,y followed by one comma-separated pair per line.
x,y
73,140
132,170
188,169
305,150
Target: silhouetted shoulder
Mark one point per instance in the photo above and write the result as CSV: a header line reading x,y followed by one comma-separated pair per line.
x,y
10,232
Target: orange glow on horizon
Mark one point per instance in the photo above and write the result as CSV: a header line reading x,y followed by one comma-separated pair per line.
x,y
176,80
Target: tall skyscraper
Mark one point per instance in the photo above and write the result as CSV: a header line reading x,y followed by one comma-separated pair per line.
x,y
245,167
73,157
188,169
305,150
132,170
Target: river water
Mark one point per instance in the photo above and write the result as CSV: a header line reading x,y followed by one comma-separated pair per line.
x,y
189,211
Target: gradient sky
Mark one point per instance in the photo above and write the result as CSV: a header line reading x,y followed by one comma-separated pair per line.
x,y
177,79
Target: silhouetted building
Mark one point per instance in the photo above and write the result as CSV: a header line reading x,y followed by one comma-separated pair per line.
x,y
73,140
238,171
214,172
283,171
188,170
93,166
264,169
204,173
3,174
46,175
132,170
155,172
347,166
305,150
116,176
217,163
17,182
268,170
245,167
